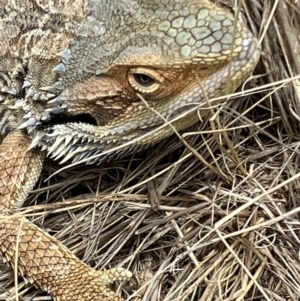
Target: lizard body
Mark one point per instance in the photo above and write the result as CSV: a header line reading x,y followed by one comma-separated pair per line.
x,y
134,67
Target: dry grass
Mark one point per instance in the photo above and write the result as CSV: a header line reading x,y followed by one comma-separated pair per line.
x,y
213,218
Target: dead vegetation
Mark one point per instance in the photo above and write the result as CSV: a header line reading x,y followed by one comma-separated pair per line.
x,y
212,215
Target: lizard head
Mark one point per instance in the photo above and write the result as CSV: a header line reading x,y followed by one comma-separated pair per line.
x,y
141,71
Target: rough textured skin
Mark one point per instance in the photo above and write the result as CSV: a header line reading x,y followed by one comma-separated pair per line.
x,y
131,66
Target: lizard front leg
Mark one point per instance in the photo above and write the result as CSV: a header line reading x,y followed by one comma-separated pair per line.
x,y
38,256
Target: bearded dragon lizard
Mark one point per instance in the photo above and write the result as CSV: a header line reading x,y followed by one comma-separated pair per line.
x,y
94,80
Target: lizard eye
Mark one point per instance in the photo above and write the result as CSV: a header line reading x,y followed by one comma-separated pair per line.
x,y
144,80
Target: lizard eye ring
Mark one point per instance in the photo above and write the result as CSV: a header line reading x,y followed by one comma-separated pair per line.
x,y
144,80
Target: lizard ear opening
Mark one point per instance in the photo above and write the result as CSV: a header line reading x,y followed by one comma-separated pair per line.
x,y
144,80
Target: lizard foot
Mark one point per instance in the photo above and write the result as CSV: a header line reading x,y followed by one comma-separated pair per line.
x,y
91,286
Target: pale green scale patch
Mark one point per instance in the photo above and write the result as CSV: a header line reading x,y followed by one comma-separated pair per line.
x,y
185,51
189,22
215,25
216,47
182,38
164,26
227,39
178,23
203,14
200,33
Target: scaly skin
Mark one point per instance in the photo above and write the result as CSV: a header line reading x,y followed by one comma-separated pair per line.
x,y
134,67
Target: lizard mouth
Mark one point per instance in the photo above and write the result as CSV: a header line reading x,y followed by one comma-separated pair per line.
x,y
62,118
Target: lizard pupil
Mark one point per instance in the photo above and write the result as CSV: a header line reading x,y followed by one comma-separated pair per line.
x,y
144,79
